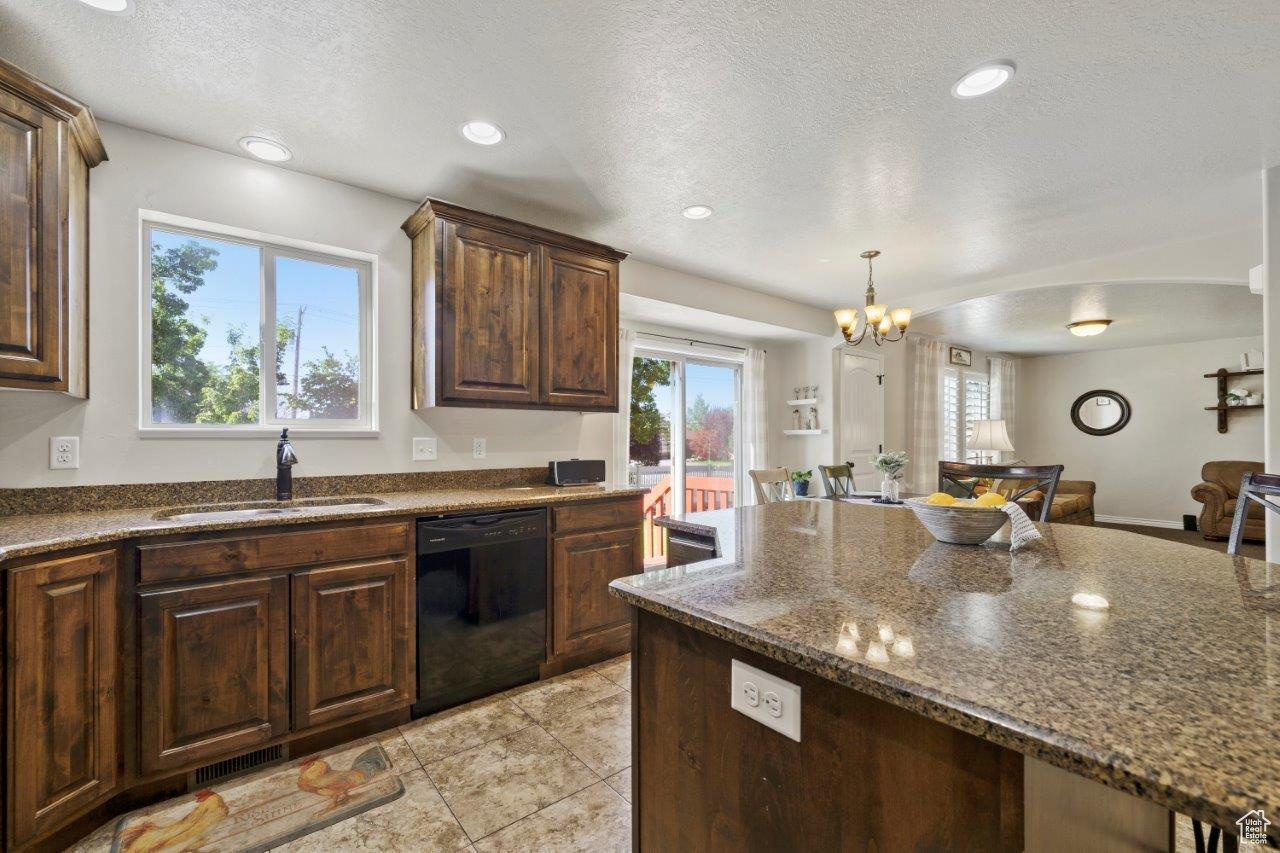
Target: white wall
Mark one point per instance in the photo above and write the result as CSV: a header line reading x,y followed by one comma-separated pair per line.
x,y
1146,470
811,363
151,172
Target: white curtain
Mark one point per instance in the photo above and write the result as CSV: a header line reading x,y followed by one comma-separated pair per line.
x,y
618,465
927,427
754,416
1003,385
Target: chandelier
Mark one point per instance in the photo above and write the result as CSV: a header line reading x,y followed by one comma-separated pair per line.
x,y
881,319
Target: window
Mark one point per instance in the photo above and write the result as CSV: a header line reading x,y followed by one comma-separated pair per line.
x,y
243,333
966,398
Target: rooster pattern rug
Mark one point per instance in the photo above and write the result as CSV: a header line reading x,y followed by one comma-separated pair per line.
x,y
268,808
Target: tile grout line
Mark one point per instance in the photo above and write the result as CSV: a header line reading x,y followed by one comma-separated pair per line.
x,y
449,808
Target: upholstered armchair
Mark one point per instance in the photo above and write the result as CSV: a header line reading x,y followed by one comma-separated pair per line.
x,y
1218,493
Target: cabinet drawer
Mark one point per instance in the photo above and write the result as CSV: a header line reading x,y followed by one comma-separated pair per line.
x,y
685,548
597,516
205,557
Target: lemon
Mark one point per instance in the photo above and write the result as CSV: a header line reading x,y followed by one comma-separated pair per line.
x,y
940,499
990,499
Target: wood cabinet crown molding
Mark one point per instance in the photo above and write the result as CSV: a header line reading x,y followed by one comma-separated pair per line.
x,y
61,105
431,208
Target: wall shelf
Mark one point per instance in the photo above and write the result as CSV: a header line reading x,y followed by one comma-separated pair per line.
x,y
812,401
803,431
1222,375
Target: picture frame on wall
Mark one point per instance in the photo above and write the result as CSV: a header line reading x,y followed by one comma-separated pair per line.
x,y
960,356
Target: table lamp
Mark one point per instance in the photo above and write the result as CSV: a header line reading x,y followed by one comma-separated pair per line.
x,y
990,435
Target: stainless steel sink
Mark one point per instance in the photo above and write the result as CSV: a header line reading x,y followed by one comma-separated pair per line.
x,y
259,509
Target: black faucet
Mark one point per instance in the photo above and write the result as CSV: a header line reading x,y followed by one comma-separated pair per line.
x,y
285,460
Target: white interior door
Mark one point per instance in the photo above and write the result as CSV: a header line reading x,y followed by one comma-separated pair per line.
x,y
860,415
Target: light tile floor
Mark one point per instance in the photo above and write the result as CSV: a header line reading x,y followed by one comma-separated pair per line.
x,y
541,767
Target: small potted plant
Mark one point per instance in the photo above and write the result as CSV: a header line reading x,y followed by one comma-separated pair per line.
x,y
891,465
1237,396
800,481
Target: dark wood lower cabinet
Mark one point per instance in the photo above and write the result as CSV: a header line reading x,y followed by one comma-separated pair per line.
x,y
353,640
585,616
214,669
62,660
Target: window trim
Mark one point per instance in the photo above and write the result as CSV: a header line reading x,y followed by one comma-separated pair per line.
x,y
962,375
272,247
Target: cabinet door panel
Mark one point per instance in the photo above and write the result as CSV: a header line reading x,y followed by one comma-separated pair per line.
x,y
488,317
353,634
62,654
579,331
31,238
586,614
214,669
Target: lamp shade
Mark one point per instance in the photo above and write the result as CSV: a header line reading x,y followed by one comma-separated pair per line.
x,y
990,435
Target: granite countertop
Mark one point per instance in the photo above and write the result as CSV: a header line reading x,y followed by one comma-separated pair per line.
x,y
1172,694
23,535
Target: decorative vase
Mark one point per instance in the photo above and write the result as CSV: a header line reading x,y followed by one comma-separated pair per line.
x,y
801,487
889,489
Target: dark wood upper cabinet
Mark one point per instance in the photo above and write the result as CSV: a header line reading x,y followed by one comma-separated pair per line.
x,y
353,636
48,144
64,699
214,669
579,317
488,315
507,314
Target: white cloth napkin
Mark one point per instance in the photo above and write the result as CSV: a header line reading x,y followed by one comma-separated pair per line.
x,y
1024,531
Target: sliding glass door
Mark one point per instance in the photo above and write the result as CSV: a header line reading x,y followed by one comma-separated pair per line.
x,y
685,436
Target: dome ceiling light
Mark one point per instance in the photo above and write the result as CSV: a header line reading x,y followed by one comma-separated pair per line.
x,y
1088,328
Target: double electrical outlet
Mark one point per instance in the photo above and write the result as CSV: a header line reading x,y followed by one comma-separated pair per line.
x,y
765,698
426,450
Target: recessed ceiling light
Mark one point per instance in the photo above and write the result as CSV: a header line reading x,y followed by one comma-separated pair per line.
x,y
983,79
696,211
482,132
115,7
1088,328
266,149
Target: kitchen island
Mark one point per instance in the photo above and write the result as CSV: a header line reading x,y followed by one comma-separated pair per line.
x,y
952,696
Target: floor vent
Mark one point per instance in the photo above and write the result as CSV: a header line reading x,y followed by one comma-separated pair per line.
x,y
232,766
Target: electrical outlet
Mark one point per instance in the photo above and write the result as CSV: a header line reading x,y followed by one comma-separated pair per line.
x,y
424,449
477,448
64,451
765,698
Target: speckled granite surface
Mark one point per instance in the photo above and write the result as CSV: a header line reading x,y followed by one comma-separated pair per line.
x,y
94,498
24,535
1172,694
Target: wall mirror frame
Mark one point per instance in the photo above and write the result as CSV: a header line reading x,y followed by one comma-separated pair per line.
x,y
1094,421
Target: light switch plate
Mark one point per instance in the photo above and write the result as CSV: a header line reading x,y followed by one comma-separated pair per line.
x,y
765,698
424,449
64,451
477,448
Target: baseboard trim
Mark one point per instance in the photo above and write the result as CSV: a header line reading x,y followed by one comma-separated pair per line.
x,y
1139,522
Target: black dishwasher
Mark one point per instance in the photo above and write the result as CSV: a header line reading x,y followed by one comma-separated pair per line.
x,y
482,605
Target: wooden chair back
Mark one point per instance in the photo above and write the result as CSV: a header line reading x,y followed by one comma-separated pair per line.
x,y
1256,488
1042,478
772,484
837,480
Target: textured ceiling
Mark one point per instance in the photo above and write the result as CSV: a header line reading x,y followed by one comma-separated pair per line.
x,y
1033,322
815,129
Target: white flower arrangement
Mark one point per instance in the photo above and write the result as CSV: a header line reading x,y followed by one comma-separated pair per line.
x,y
891,463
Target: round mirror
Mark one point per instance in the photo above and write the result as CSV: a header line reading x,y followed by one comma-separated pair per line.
x,y
1100,412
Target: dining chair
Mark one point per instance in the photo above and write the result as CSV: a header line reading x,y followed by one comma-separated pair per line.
x,y
1256,488
837,480
772,484
1042,478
